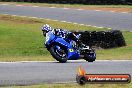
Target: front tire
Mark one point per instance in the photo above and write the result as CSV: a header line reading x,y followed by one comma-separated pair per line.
x,y
61,58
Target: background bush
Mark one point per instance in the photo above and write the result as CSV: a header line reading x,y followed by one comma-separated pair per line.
x,y
103,39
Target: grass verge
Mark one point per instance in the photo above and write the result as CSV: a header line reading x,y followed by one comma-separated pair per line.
x,y
116,8
74,85
21,40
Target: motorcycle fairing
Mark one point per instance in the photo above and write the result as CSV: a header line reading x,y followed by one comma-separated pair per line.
x,y
72,53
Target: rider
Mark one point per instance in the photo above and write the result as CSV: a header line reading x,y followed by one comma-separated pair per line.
x,y
63,33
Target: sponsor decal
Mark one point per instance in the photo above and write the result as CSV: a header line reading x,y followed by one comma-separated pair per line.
x,y
71,50
83,78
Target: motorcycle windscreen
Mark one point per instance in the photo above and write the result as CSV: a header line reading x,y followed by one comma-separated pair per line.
x,y
49,37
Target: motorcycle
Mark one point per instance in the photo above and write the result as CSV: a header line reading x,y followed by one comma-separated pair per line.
x,y
63,49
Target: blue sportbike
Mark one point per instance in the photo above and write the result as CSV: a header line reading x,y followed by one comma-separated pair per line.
x,y
63,49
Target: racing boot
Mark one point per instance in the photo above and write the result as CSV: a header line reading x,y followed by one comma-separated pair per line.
x,y
82,46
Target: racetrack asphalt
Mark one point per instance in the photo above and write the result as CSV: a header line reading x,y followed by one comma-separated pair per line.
x,y
115,20
28,73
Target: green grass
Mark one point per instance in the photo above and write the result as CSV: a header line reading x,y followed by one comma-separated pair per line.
x,y
21,39
74,85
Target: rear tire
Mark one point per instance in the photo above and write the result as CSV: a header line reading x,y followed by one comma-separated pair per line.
x,y
91,59
61,59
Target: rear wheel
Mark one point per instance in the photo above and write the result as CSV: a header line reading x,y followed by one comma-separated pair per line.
x,y
59,53
90,57
89,60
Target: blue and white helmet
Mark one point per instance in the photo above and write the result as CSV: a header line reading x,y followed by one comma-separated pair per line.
x,y
46,28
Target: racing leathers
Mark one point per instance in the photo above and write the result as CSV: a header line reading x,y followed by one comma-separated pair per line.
x,y
64,33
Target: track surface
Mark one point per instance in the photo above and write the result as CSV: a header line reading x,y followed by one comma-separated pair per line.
x,y
27,73
115,20
50,72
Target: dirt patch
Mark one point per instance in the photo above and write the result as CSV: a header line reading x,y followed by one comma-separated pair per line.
x,y
129,45
108,9
18,20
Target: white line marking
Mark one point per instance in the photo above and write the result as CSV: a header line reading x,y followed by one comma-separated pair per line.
x,y
14,15
65,82
41,18
69,22
57,20
80,9
47,19
100,27
65,8
6,14
4,4
112,11
34,17
124,12
82,24
112,60
97,10
67,61
10,62
109,28
88,25
36,61
23,16
35,6
95,26
19,5
63,21
75,23
52,7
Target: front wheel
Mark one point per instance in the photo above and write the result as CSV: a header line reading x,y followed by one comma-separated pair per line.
x,y
59,53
